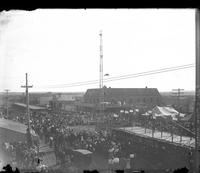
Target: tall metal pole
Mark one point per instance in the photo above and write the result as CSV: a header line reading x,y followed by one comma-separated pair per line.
x,y
197,92
101,61
101,76
7,102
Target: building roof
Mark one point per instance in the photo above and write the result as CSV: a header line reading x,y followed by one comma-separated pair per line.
x,y
124,91
14,126
89,105
30,106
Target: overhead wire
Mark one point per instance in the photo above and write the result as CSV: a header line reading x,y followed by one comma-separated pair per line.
x,y
122,77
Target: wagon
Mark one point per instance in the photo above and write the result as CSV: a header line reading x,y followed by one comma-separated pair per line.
x,y
82,158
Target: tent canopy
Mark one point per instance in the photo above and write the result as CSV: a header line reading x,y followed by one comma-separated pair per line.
x,y
83,152
166,111
11,131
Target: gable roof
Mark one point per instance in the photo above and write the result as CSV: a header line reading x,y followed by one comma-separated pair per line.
x,y
124,91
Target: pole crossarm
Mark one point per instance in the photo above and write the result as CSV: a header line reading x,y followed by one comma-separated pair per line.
x,y
24,86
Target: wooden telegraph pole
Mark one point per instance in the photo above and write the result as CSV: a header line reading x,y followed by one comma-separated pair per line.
x,y
178,94
27,104
7,102
197,92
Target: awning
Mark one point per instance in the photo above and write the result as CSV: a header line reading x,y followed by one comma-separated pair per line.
x,y
11,131
32,107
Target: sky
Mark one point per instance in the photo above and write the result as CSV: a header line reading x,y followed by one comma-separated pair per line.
x,y
62,46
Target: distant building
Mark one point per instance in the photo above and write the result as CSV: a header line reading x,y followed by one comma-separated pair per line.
x,y
65,101
49,98
12,98
44,100
40,99
122,97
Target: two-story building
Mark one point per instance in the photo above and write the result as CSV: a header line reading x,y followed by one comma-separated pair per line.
x,y
118,98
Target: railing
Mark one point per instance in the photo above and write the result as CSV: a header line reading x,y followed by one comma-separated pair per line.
x,y
166,136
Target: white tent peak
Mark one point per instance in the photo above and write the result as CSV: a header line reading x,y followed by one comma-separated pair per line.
x,y
166,111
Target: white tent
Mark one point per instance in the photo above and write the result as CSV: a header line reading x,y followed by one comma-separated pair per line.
x,y
115,115
166,112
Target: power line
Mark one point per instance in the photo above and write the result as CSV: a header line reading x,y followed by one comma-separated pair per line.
x,y
121,77
118,77
151,73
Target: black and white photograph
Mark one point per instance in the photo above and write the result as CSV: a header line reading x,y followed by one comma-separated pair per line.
x,y
100,90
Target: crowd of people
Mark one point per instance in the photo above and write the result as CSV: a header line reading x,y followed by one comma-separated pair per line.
x,y
19,154
164,124
57,130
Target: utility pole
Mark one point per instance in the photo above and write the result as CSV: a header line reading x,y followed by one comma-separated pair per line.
x,y
7,102
178,94
27,103
197,92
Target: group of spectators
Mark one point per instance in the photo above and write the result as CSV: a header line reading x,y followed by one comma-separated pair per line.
x,y
19,154
57,130
164,124
61,135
